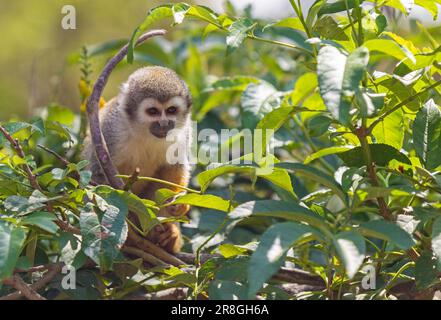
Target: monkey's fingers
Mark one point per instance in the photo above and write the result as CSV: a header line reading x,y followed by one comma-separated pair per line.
x,y
177,210
171,240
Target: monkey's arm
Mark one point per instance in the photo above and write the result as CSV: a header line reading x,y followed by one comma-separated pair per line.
x,y
178,174
168,235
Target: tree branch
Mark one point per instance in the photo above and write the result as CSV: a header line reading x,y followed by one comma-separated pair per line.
x,y
144,255
291,275
153,249
19,150
30,291
101,150
401,104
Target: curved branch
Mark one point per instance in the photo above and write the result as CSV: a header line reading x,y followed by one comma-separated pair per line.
x,y
101,150
53,270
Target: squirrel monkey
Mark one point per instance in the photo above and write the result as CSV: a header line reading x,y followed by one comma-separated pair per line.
x,y
152,102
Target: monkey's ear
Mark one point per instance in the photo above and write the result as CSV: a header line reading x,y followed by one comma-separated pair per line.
x,y
124,89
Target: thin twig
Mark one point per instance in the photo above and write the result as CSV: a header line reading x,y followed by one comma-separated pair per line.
x,y
151,179
292,275
19,150
56,155
132,179
401,104
67,227
101,150
167,294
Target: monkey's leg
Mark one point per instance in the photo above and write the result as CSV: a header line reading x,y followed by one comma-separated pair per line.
x,y
168,235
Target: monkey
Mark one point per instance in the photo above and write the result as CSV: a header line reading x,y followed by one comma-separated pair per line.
x,y
152,103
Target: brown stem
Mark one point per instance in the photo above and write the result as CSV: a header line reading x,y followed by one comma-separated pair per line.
x,y
56,155
153,249
67,227
167,294
101,150
362,133
53,270
22,287
144,255
132,179
401,104
291,275
19,150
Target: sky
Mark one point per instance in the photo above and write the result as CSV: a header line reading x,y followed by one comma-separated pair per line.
x,y
277,9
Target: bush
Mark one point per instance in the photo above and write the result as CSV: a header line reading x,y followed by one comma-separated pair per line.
x,y
350,211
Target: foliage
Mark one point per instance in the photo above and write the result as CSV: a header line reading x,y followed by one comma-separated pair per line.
x,y
356,181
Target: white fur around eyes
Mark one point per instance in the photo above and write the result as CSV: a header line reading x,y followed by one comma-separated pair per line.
x,y
177,102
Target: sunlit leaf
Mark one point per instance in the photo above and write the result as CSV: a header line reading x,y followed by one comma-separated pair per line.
x,y
271,251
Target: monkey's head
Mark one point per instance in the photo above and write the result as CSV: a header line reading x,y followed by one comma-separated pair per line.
x,y
157,99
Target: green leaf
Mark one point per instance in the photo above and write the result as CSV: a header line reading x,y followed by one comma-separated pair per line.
x,y
237,33
318,125
390,130
389,48
327,28
326,152
274,120
204,201
154,15
430,6
388,231
427,135
237,83
381,154
276,176
256,101
23,205
351,248
206,177
338,6
60,114
227,290
339,77
315,175
103,240
11,242
229,250
426,272
278,209
91,232
271,252
304,87
143,208
436,238
13,128
292,23
42,220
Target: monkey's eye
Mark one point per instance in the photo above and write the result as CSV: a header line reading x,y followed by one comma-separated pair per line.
x,y
152,111
171,110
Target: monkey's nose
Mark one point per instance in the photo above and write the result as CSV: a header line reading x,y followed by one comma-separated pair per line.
x,y
165,123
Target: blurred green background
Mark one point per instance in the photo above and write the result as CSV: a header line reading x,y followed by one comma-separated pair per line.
x,y
35,49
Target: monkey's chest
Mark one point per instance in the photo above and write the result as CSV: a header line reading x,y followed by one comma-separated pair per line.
x,y
145,155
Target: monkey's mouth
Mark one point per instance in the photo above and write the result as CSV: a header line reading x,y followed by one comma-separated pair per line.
x,y
161,131
160,134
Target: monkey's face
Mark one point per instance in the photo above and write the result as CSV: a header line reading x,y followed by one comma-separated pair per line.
x,y
161,117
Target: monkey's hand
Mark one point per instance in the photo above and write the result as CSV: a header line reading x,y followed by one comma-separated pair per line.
x,y
177,210
168,236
